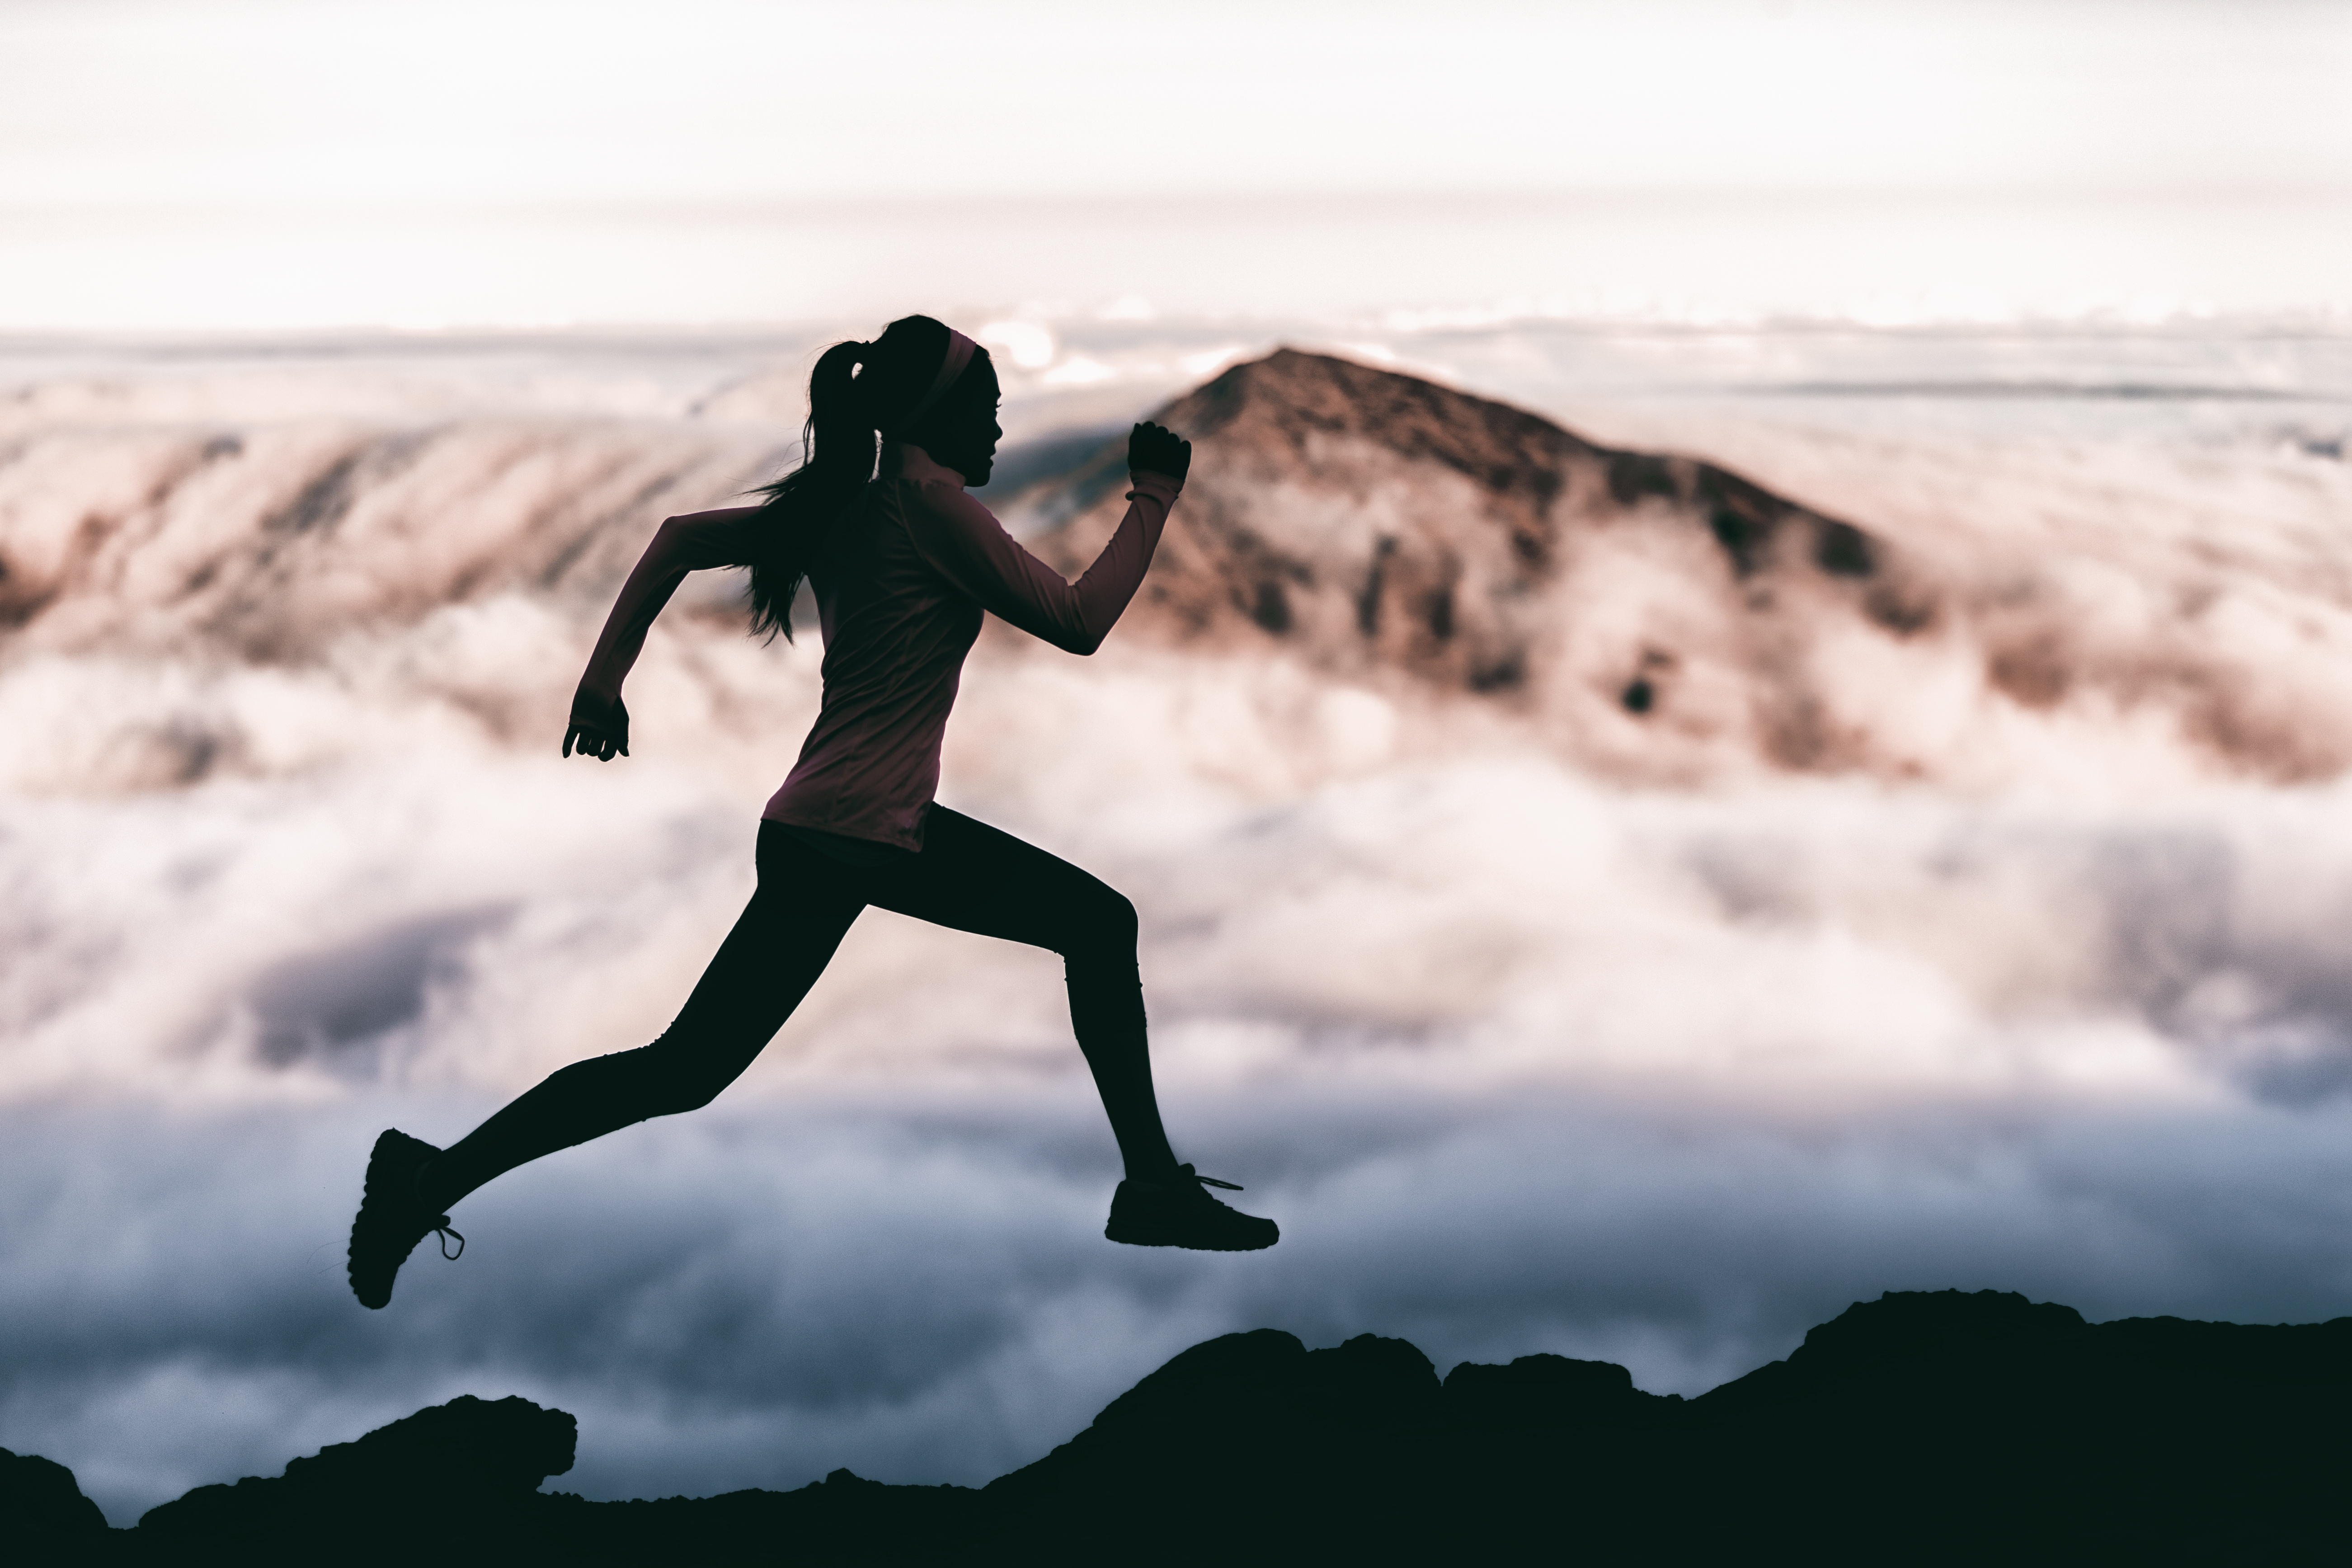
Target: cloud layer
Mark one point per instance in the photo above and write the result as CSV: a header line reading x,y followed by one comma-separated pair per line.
x,y
1521,1060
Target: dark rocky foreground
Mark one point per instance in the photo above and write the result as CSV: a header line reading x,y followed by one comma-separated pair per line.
x,y
1918,1427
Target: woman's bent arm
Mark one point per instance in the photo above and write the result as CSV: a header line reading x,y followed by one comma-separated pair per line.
x,y
964,540
682,545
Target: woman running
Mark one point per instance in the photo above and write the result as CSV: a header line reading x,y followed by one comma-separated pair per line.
x,y
902,563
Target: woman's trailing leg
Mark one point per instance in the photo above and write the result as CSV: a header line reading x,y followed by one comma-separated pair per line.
x,y
779,947
777,950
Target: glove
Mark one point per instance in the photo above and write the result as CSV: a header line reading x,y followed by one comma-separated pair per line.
x,y
599,728
1155,449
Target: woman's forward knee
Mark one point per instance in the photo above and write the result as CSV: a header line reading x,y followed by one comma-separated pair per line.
x,y
1105,926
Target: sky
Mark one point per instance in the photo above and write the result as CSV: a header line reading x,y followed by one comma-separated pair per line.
x,y
260,163
222,102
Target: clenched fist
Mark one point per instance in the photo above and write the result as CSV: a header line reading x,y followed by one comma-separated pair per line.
x,y
1155,449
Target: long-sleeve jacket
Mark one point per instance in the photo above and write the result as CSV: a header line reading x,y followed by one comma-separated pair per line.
x,y
900,579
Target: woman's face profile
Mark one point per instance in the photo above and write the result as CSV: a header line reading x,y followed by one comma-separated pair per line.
x,y
963,431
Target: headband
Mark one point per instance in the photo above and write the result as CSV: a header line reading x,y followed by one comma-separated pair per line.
x,y
958,355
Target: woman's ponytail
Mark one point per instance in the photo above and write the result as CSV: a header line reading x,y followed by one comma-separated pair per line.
x,y
854,389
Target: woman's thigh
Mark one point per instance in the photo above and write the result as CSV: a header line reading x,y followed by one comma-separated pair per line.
x,y
786,937
971,877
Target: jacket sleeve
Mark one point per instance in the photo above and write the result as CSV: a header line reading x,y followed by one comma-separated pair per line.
x,y
965,543
680,545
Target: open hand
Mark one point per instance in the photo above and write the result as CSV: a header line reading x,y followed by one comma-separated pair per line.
x,y
600,729
1155,449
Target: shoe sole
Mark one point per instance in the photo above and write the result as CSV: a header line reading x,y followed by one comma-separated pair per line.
x,y
1112,1233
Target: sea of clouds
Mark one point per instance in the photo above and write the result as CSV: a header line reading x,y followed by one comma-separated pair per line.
x,y
1522,1058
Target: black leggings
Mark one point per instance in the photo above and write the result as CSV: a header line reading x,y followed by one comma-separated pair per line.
x,y
969,876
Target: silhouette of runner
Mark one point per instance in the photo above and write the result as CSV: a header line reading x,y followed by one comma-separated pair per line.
x,y
902,564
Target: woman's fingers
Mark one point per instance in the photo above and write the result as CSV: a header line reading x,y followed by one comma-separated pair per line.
x,y
590,743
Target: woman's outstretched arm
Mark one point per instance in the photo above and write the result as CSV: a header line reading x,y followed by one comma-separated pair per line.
x,y
964,540
600,724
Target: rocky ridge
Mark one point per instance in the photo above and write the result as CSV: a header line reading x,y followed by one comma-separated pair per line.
x,y
1921,1428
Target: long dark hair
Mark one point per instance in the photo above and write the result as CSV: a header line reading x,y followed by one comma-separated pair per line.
x,y
857,391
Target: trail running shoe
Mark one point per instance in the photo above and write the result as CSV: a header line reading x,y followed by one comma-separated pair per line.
x,y
1179,1214
390,1220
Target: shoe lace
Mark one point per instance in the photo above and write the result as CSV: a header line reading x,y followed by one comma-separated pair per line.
x,y
442,1231
1190,1174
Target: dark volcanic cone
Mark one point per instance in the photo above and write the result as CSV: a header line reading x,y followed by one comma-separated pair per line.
x,y
1366,522
1663,620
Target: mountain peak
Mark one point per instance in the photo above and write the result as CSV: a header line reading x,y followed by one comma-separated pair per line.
x,y
1379,525
1292,398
